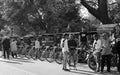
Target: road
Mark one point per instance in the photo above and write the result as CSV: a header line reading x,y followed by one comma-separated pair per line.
x,y
22,66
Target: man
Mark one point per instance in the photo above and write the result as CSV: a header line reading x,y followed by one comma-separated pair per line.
x,y
13,46
65,51
83,39
37,46
106,52
117,44
72,49
6,47
97,45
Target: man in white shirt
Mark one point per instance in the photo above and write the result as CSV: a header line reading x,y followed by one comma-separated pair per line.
x,y
97,45
37,44
65,51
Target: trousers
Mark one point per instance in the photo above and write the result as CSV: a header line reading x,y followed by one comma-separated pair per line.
x,y
107,59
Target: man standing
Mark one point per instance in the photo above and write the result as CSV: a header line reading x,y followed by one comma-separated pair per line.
x,y
97,45
37,46
13,46
65,51
106,52
6,47
72,49
83,39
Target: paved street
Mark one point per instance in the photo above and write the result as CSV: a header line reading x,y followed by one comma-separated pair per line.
x,y
24,66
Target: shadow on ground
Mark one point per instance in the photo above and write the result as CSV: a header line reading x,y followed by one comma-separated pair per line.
x,y
25,60
12,62
83,72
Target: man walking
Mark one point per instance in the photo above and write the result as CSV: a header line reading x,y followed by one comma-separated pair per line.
x,y
6,47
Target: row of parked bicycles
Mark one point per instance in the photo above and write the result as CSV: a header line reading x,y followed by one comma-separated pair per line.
x,y
54,53
49,53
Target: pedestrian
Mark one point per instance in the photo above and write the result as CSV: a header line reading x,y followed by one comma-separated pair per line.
x,y
106,52
37,46
13,46
65,51
72,44
117,47
97,45
6,47
83,39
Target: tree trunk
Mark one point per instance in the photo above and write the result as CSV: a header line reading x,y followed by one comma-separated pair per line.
x,y
101,13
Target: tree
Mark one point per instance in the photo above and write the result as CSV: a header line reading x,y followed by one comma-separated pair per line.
x,y
101,12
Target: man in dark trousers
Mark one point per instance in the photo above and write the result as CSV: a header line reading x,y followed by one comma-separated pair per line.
x,y
72,44
6,47
83,39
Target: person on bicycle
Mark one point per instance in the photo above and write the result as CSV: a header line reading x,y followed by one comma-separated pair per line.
x,y
65,51
72,44
97,45
106,52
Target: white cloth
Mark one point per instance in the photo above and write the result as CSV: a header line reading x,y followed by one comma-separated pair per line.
x,y
107,49
37,44
61,43
13,46
112,39
65,47
97,45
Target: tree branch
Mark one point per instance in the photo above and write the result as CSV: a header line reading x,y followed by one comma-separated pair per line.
x,y
92,10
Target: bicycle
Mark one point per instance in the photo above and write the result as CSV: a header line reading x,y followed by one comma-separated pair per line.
x,y
44,53
51,54
92,64
58,55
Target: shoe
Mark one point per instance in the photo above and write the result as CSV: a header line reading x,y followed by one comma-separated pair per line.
x,y
108,71
101,71
66,70
97,70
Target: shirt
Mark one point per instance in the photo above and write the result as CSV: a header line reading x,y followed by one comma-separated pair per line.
x,y
97,45
65,48
61,43
37,44
13,46
107,49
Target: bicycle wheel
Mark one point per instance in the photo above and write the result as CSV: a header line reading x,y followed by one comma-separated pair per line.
x,y
50,57
34,55
59,57
43,56
82,57
91,63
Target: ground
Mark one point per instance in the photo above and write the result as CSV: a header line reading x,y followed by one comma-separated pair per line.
x,y
23,66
